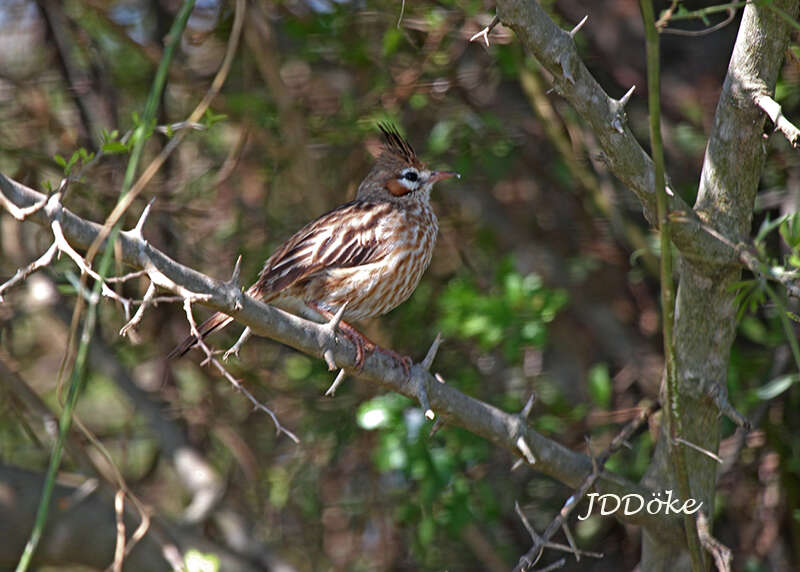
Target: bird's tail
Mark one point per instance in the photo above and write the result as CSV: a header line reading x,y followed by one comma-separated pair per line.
x,y
215,322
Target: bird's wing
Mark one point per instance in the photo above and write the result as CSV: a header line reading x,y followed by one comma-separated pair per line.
x,y
347,236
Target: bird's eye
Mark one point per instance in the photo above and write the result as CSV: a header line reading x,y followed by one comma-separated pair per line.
x,y
410,176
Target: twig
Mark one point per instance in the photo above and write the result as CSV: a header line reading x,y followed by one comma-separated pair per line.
x,y
21,213
187,307
235,348
699,449
703,32
597,468
554,566
137,317
773,110
485,32
335,385
119,510
700,14
721,553
330,330
23,273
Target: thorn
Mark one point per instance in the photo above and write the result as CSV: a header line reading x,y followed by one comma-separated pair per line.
x,y
137,317
327,355
438,424
234,349
327,352
526,410
237,270
623,101
337,317
517,464
485,32
578,27
336,382
431,355
523,447
699,449
438,377
422,397
137,230
235,285
619,117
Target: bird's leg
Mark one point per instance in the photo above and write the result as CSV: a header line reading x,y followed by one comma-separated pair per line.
x,y
369,346
362,343
405,361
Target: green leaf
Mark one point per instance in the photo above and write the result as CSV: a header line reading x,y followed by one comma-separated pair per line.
x,y
600,385
790,230
114,148
768,226
777,386
391,41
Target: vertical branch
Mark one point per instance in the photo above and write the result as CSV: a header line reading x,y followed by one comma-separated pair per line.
x,y
79,366
671,392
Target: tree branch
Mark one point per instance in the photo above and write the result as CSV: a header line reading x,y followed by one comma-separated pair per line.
x,y
502,429
555,49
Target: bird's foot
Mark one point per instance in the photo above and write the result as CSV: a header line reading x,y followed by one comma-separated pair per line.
x,y
405,361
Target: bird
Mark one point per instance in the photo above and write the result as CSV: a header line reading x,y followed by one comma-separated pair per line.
x,y
367,255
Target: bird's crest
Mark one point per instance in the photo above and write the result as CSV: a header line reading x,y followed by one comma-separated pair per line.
x,y
396,144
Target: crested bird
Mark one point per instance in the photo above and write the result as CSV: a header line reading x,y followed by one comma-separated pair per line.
x,y
368,254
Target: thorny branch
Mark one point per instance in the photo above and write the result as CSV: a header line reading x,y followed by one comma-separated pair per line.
x,y
210,359
556,51
542,541
502,429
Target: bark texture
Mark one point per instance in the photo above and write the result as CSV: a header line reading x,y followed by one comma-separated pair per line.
x,y
705,314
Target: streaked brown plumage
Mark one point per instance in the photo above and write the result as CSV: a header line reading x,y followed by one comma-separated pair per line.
x,y
369,253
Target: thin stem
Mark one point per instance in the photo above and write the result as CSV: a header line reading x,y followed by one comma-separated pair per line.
x,y
787,326
703,12
79,367
672,397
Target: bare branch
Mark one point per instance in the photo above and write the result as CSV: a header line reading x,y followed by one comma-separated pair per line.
x,y
721,553
137,317
773,110
555,49
23,273
335,385
483,419
187,307
234,349
597,470
704,32
699,449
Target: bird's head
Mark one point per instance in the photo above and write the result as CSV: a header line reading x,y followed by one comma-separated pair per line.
x,y
398,175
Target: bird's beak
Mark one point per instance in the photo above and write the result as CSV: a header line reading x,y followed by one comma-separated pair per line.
x,y
442,175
